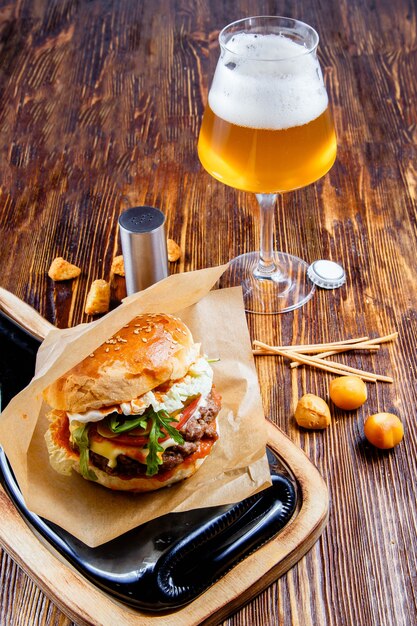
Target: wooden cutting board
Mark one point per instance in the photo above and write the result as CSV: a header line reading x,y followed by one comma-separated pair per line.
x,y
86,604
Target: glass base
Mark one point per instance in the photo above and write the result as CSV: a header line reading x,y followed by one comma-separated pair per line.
x,y
284,290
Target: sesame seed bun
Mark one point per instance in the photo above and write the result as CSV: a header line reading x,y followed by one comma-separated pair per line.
x,y
149,351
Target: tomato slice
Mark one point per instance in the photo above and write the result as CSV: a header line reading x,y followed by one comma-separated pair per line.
x,y
187,413
106,434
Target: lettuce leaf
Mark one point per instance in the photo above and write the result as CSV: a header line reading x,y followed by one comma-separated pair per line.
x,y
80,437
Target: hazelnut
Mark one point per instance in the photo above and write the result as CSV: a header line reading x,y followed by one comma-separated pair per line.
x,y
312,412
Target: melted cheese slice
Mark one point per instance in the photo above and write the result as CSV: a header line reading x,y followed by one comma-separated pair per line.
x,y
111,452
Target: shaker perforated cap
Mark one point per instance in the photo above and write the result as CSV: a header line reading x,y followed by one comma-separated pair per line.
x,y
144,247
326,274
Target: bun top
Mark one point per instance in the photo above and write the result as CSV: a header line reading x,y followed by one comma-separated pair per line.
x,y
150,350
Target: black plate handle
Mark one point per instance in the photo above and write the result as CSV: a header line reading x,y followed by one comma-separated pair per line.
x,y
201,558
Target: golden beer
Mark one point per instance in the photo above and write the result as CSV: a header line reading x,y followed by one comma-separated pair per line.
x,y
267,160
267,129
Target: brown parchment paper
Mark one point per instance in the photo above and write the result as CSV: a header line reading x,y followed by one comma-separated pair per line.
x,y
237,466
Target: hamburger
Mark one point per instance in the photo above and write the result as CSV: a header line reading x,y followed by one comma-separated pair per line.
x,y
139,413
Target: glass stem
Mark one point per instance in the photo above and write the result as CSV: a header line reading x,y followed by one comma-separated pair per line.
x,y
266,265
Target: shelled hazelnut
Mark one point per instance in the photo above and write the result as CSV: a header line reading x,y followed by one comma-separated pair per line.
x,y
312,412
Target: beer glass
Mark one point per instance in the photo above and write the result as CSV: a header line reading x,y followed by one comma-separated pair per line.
x,y
267,129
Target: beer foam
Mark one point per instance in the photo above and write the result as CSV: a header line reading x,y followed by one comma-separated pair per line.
x,y
267,81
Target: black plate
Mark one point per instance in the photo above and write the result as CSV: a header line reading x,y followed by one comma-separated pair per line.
x,y
165,563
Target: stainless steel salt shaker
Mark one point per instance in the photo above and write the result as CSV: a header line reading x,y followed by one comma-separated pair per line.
x,y
144,247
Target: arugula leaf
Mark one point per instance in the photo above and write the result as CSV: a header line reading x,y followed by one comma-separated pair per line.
x,y
165,421
80,437
153,459
160,419
118,427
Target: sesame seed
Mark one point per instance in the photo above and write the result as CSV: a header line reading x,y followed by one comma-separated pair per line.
x,y
92,354
118,348
144,340
107,350
136,332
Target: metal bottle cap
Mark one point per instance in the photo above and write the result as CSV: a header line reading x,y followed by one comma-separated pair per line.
x,y
326,274
144,247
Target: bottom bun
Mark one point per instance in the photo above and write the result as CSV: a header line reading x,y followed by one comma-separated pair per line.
x,y
64,459
141,484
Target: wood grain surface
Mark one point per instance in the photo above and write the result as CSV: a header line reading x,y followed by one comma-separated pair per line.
x,y
100,106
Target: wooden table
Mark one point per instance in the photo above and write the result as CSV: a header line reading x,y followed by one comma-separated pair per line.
x,y
101,103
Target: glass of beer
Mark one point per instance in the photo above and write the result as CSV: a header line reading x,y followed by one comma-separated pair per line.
x,y
267,129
